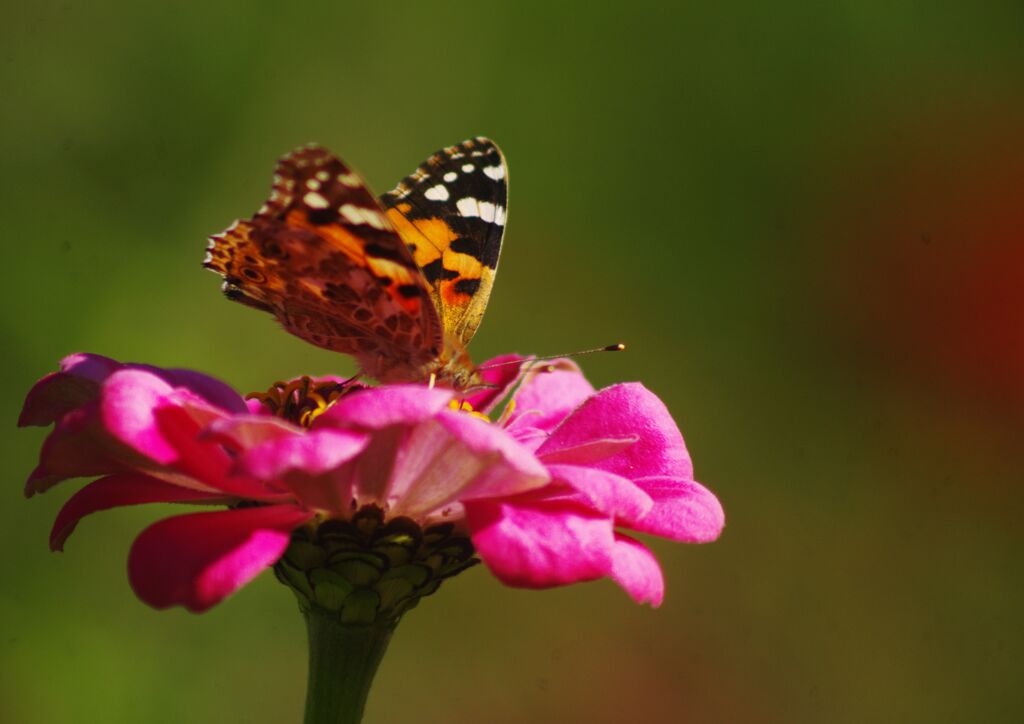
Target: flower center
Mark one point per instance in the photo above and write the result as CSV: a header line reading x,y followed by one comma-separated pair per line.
x,y
303,400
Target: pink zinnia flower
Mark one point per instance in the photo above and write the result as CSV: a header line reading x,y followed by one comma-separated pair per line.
x,y
540,493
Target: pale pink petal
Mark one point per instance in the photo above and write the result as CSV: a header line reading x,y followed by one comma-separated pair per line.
x,y
241,432
611,494
684,510
623,411
636,569
196,560
309,463
116,491
457,456
536,543
378,407
498,375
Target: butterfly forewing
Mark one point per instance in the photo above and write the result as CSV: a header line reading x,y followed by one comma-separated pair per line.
x,y
323,257
451,213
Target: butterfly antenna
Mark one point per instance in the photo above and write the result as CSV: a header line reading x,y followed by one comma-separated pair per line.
x,y
617,347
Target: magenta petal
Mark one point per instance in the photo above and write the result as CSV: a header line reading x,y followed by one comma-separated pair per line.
x,y
305,462
535,543
623,411
79,447
550,391
56,394
209,388
611,494
636,569
684,510
196,560
498,374
379,407
587,453
80,378
115,491
166,425
128,408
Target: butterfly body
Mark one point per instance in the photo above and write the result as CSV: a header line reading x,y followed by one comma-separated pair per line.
x,y
400,283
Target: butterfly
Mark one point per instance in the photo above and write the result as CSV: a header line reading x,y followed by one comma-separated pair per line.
x,y
399,282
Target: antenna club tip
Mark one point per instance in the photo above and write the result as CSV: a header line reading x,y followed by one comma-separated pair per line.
x,y
618,347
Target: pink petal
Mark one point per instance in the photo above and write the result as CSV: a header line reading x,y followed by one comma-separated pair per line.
x,y
309,463
166,425
550,391
378,407
611,494
80,378
458,457
79,447
241,432
636,569
587,453
255,407
56,394
116,491
208,388
623,411
684,510
536,543
128,408
499,373
196,560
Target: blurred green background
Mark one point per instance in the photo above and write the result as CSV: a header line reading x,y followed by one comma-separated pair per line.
x,y
805,219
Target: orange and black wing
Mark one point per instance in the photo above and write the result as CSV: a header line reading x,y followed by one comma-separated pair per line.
x,y
323,257
451,213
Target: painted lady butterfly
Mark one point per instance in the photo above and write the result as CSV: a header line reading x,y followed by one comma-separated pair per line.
x,y
400,282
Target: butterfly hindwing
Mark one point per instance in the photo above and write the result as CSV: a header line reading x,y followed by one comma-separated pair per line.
x,y
323,257
451,213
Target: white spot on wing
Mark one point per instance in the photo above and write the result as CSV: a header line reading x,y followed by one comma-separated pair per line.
x,y
495,172
313,185
467,206
315,200
356,215
322,175
349,179
485,210
450,176
468,168
437,193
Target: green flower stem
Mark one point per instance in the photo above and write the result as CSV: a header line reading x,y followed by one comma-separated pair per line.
x,y
342,661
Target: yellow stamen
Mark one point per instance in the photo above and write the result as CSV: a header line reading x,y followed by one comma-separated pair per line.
x,y
463,406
